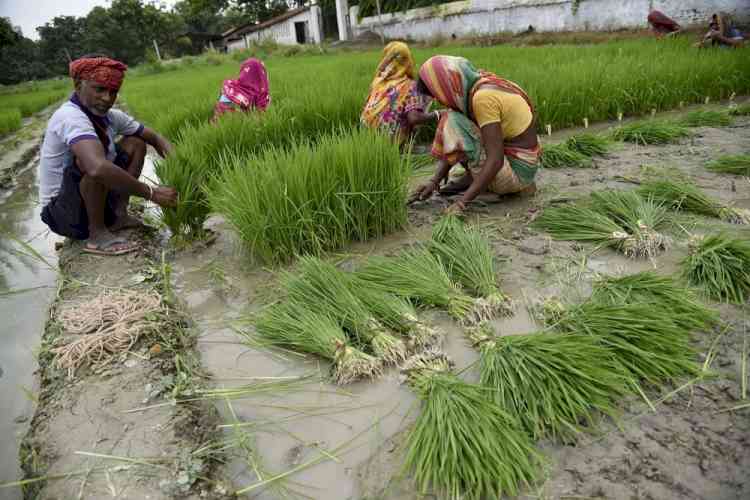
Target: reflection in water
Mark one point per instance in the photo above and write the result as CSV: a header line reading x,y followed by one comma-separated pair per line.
x,y
25,245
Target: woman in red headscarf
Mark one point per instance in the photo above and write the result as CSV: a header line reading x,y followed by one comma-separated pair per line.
x,y
248,92
661,24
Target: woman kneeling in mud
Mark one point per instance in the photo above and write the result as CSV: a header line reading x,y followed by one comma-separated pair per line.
x,y
489,119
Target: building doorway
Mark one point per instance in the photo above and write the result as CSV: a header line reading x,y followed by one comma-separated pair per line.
x,y
300,30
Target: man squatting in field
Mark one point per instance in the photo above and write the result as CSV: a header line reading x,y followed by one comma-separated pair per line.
x,y
86,178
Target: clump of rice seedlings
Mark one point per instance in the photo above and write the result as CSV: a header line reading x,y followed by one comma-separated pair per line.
x,y
554,383
645,339
741,110
292,326
641,217
731,164
463,445
662,292
467,256
650,132
10,120
321,286
397,314
720,265
706,118
685,196
562,156
588,144
418,275
582,223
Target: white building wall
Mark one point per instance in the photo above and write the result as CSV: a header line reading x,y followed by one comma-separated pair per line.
x,y
488,17
284,33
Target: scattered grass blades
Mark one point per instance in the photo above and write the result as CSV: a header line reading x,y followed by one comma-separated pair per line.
x,y
641,217
731,164
685,196
468,258
321,286
563,156
588,144
290,326
645,339
741,110
662,292
720,265
397,314
555,383
706,118
650,132
463,445
418,275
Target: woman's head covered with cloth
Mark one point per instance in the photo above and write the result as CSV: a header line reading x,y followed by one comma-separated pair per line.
x,y
393,78
250,89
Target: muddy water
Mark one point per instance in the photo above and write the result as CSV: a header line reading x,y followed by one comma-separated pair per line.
x,y
23,313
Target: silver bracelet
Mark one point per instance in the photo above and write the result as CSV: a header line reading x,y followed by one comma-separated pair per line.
x,y
437,115
150,192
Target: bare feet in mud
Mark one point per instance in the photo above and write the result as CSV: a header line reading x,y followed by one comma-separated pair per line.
x,y
127,221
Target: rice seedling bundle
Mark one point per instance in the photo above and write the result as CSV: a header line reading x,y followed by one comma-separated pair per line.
x,y
720,265
463,445
741,110
685,196
731,164
323,287
418,275
661,292
588,144
313,198
292,326
563,156
555,383
467,256
584,223
395,313
641,217
644,339
706,118
650,132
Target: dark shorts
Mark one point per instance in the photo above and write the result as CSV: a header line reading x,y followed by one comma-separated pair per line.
x,y
66,215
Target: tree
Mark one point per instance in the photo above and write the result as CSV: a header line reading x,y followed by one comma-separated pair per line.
x,y
63,33
8,34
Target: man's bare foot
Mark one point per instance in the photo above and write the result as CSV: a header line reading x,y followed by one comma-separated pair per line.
x,y
457,186
106,243
126,221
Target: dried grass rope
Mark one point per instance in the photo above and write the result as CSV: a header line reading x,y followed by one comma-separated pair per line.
x,y
107,325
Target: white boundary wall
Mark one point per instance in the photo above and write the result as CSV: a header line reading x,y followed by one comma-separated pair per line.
x,y
489,17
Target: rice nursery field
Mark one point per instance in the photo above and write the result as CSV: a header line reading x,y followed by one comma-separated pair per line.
x,y
24,100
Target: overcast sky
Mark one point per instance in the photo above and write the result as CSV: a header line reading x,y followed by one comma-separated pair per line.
x,y
28,14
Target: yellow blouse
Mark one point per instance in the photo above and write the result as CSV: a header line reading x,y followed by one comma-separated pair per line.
x,y
492,105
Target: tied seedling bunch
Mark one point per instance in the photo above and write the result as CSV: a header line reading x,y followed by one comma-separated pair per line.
x,y
720,265
320,286
683,195
642,218
467,256
418,275
589,145
463,445
562,156
731,164
706,118
556,384
650,132
396,313
293,326
663,292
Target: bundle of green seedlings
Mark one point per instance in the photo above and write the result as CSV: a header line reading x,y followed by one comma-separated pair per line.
x,y
556,384
293,326
588,144
467,256
311,198
741,110
641,217
577,222
731,164
650,132
562,156
321,286
662,292
706,118
646,339
683,195
463,445
416,274
396,313
720,265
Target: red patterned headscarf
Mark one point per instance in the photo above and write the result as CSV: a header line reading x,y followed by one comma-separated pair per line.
x,y
250,89
102,70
